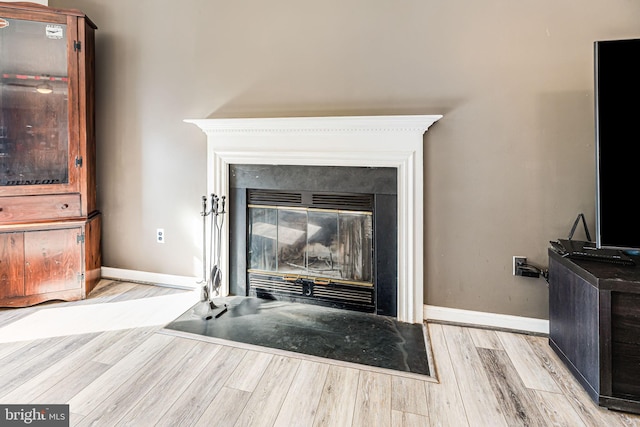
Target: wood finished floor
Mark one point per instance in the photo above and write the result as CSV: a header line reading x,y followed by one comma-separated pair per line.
x,y
127,372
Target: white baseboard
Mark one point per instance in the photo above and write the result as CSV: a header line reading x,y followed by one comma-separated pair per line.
x,y
431,312
182,282
483,319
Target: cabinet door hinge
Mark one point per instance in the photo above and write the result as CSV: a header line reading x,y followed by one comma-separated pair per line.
x,y
78,162
77,46
80,277
80,238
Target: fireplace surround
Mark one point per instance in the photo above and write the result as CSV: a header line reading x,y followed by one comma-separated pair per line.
x,y
357,141
316,234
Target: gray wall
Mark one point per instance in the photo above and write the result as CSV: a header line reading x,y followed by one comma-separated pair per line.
x,y
508,168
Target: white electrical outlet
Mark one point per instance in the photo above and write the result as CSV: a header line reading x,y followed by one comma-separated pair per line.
x,y
160,235
517,260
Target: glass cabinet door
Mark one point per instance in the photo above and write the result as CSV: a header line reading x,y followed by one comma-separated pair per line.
x,y
34,104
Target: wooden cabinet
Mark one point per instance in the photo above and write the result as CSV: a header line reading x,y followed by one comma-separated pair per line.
x,y
49,220
594,327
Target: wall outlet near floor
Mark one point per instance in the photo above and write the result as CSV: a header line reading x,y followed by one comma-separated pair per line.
x,y
517,261
160,235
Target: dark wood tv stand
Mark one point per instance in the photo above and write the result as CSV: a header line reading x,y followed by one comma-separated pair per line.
x,y
594,327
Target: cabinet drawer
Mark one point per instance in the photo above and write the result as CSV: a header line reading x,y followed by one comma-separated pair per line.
x,y
625,318
625,370
625,344
29,208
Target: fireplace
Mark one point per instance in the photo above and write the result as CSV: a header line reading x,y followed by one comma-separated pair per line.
x,y
394,142
317,234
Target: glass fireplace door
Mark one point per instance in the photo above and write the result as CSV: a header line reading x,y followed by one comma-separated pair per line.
x,y
320,243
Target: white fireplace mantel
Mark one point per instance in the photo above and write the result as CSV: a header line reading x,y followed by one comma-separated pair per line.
x,y
381,141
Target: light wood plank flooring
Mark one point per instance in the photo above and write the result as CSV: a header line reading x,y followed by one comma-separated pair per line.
x,y
108,358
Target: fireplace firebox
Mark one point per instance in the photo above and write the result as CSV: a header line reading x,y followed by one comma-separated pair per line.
x,y
295,240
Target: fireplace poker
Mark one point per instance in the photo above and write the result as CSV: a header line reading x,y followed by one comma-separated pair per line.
x,y
218,221
204,240
212,238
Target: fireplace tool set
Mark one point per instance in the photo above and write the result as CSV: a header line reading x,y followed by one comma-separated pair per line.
x,y
211,273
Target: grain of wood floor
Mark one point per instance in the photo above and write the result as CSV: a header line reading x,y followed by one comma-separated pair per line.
x,y
114,366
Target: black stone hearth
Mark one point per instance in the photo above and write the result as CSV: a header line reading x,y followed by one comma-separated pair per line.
x,y
326,332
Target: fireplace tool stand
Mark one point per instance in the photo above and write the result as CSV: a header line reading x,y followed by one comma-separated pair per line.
x,y
211,273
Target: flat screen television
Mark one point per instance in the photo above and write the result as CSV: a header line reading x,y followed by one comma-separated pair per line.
x,y
617,130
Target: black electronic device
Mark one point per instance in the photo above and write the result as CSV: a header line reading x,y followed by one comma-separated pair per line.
x,y
617,90
580,249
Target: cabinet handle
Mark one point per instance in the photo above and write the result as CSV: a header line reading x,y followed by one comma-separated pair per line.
x,y
1,209
65,206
